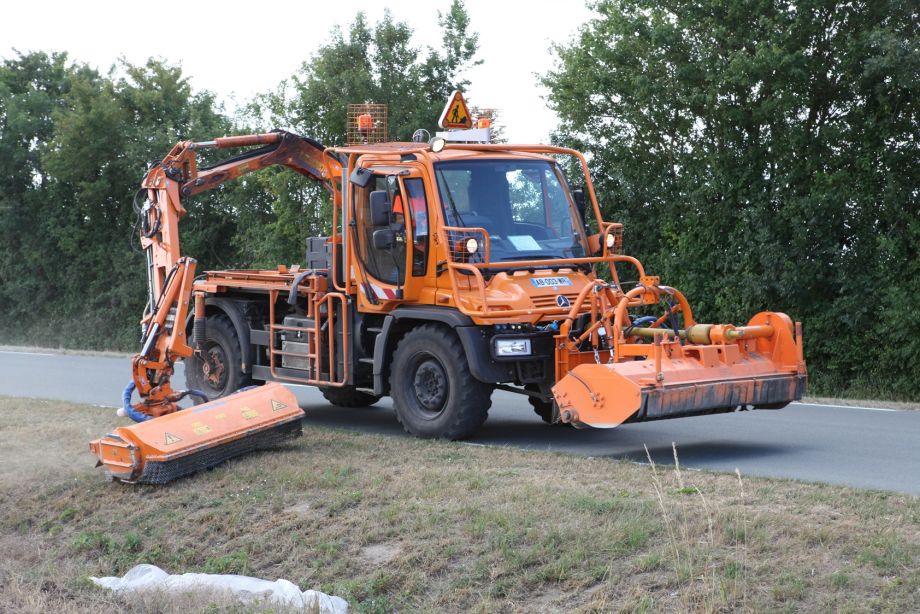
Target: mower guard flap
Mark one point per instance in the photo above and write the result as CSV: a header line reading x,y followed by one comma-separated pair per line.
x,y
177,444
684,379
598,395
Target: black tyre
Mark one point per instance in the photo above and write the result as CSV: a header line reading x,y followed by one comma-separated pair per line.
x,y
348,396
544,409
217,371
434,393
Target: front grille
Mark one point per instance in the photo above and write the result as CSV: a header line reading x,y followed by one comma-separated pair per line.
x,y
541,302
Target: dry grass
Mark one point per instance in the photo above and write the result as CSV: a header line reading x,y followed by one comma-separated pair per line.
x,y
402,524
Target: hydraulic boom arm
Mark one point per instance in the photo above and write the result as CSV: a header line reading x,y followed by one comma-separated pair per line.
x,y
169,274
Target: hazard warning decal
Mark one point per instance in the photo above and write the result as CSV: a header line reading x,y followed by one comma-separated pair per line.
x,y
456,114
278,405
169,439
200,428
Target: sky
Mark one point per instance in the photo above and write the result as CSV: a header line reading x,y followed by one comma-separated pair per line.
x,y
238,49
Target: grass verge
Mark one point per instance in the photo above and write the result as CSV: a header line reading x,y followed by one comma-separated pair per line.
x,y
402,524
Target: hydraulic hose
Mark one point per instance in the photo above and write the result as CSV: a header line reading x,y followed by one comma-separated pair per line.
x,y
138,416
126,405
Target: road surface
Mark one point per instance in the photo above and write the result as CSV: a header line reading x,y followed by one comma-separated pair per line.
x,y
872,448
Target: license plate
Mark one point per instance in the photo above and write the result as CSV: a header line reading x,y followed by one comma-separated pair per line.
x,y
550,282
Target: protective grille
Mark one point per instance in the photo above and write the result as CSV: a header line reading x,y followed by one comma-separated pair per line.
x,y
552,300
367,123
457,241
616,231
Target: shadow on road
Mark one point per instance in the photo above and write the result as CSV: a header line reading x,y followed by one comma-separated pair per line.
x,y
695,446
702,452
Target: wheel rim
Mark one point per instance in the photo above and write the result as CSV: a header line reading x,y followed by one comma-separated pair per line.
x,y
214,368
428,385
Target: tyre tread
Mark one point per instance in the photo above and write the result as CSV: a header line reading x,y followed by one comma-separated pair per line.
x,y
475,398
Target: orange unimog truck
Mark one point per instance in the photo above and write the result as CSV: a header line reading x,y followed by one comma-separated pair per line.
x,y
452,270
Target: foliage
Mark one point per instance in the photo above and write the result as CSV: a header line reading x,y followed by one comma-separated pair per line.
x,y
72,147
366,63
763,155
74,144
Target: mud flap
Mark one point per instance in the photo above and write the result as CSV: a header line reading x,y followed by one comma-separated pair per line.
x,y
165,448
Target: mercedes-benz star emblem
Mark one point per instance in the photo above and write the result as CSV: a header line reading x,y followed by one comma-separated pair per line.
x,y
563,301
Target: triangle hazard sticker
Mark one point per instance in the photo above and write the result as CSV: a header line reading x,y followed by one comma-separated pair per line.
x,y
456,114
169,439
278,405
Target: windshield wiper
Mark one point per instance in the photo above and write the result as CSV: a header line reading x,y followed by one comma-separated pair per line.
x,y
450,198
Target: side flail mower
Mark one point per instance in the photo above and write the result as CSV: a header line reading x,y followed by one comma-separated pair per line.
x,y
633,369
184,442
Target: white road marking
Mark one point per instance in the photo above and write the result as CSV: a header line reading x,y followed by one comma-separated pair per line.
x,y
847,406
27,353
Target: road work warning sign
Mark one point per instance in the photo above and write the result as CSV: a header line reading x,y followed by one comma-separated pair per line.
x,y
456,114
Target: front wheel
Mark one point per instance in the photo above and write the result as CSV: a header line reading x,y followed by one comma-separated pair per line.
x,y
217,370
434,393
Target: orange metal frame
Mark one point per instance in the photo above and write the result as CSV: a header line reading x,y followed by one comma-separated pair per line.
x,y
472,282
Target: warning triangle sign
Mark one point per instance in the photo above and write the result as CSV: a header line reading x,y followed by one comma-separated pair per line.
x,y
278,405
169,439
456,114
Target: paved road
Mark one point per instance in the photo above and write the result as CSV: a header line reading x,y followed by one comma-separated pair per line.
x,y
856,447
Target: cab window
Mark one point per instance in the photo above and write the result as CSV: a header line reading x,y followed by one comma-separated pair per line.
x,y
418,209
386,265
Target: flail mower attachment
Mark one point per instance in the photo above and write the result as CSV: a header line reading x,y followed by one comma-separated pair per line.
x,y
634,373
173,445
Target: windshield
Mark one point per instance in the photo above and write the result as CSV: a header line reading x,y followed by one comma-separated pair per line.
x,y
525,206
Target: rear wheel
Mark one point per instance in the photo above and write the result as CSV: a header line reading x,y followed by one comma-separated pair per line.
x,y
433,391
349,396
217,370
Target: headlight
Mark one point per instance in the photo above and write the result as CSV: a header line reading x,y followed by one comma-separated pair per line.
x,y
437,144
610,240
512,347
472,245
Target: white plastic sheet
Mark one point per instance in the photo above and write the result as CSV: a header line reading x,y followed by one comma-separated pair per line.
x,y
245,588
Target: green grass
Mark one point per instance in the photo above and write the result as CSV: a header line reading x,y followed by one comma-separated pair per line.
x,y
399,524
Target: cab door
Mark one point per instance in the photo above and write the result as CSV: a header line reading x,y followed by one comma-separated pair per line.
x,y
391,222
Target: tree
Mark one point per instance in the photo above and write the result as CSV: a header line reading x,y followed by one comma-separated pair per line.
x,y
77,143
763,155
365,63
32,89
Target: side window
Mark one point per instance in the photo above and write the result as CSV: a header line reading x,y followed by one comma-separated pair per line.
x,y
418,207
385,265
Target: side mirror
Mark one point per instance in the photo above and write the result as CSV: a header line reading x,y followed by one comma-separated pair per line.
x,y
594,244
384,239
578,195
361,177
380,208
